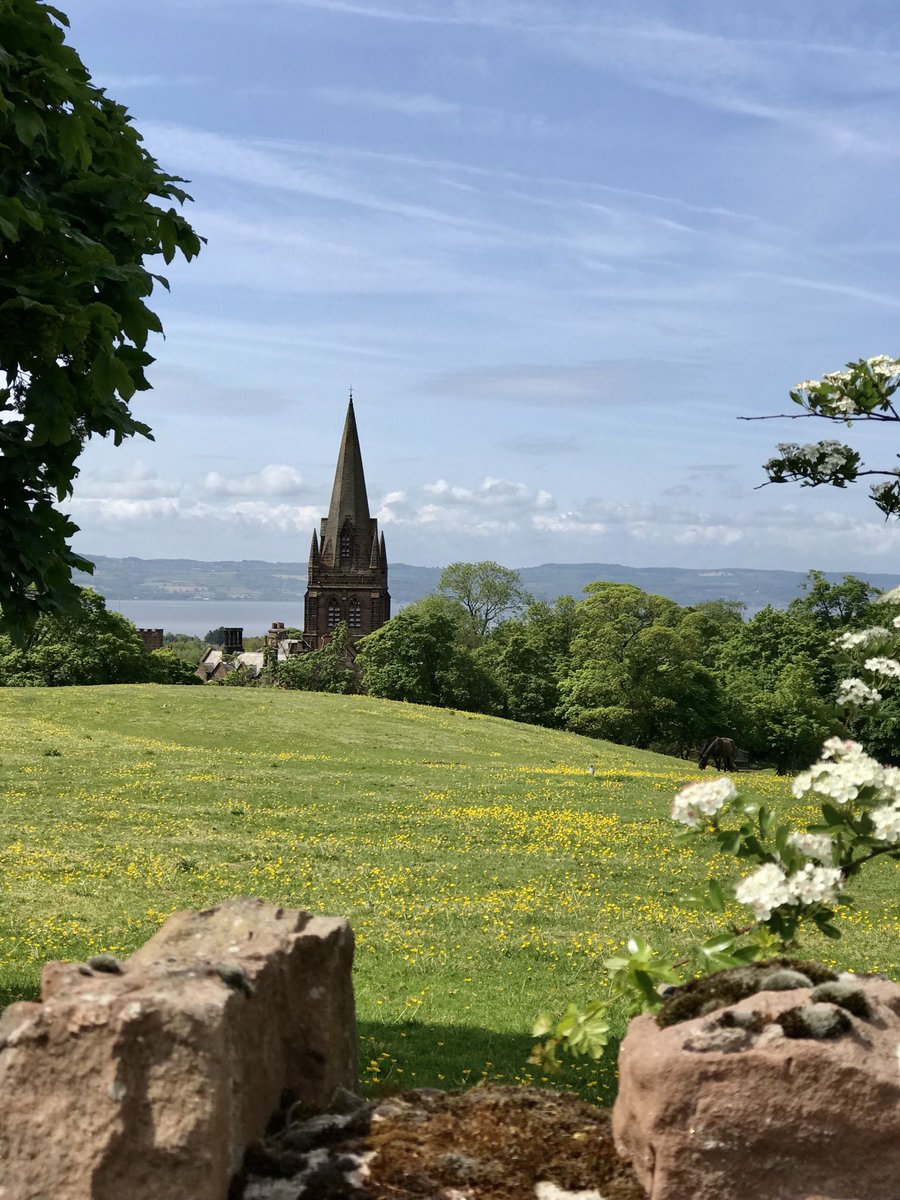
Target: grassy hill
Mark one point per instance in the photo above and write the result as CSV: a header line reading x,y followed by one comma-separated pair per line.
x,y
485,872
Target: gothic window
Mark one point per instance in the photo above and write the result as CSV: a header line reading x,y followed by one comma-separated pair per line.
x,y
355,616
334,614
346,544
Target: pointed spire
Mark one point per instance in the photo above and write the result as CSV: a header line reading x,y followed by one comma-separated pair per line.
x,y
375,556
348,496
383,553
314,549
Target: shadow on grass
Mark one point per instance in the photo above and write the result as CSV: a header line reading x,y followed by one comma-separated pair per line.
x,y
19,988
396,1056
393,1057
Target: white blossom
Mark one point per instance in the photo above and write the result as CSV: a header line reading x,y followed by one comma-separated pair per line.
x,y
884,666
812,884
896,622
767,888
856,691
697,801
813,845
892,596
890,784
861,637
887,823
842,773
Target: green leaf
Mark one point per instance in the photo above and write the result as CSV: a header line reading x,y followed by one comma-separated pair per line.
x,y
29,125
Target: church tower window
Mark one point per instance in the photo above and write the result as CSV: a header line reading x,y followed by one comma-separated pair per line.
x,y
355,616
346,544
334,614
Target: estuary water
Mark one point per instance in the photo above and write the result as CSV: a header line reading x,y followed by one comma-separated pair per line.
x,y
197,617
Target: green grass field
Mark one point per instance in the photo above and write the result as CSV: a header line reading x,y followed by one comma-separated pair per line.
x,y
485,872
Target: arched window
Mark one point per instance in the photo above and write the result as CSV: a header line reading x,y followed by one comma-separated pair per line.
x,y
334,614
346,544
354,617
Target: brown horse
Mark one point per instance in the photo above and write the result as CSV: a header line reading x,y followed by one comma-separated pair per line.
x,y
721,750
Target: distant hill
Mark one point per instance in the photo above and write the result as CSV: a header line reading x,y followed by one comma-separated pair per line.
x,y
121,579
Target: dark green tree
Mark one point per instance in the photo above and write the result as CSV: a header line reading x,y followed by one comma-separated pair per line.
x,y
82,205
636,674
168,666
528,656
485,590
84,645
835,605
421,656
327,670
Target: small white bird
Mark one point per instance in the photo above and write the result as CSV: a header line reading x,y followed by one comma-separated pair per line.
x,y
591,769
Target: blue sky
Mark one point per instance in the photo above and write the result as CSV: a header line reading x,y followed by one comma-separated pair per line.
x,y
557,248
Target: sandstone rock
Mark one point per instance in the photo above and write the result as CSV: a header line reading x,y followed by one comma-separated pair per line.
x,y
150,1083
797,1117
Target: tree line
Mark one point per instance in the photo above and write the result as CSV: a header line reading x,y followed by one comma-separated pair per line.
x,y
618,664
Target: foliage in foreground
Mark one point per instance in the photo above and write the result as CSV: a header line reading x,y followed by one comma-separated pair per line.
x,y
77,220
801,875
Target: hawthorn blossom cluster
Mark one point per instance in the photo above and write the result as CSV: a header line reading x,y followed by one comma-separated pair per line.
x,y
813,845
862,637
827,456
884,666
843,771
856,692
770,887
887,823
696,802
857,389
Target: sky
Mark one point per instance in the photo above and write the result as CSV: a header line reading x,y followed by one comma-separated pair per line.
x,y
557,248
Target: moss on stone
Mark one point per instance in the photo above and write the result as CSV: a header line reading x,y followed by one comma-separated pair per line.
x,y
845,994
818,1021
703,996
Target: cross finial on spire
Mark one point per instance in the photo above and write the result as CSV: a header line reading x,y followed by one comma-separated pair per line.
x,y
351,393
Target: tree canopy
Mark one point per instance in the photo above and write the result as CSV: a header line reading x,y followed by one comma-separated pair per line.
x,y
87,644
486,591
77,220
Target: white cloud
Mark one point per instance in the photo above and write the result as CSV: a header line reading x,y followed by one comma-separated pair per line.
x,y
273,480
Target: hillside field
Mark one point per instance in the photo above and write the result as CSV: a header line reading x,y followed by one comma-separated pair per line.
x,y
486,874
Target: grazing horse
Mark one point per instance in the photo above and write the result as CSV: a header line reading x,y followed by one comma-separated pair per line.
x,y
721,750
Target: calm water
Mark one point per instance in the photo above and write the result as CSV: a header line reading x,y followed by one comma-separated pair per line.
x,y
197,617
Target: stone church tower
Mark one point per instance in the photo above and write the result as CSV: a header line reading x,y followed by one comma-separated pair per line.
x,y
348,568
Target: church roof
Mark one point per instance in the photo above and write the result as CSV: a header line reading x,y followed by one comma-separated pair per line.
x,y
348,496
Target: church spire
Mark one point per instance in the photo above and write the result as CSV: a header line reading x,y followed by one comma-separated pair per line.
x,y
348,496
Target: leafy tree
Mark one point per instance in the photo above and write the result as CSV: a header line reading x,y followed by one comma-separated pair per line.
x,y
325,670
486,591
86,644
834,605
76,223
184,646
167,666
528,656
215,637
636,675
421,656
863,391
788,725
777,674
